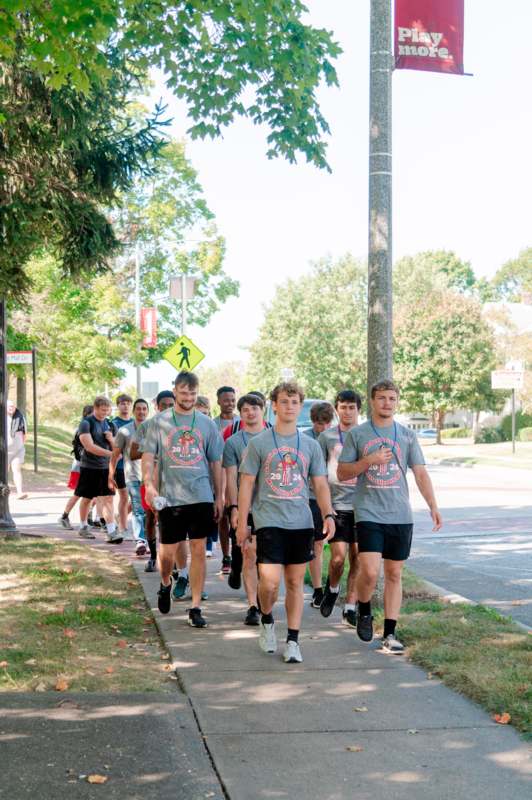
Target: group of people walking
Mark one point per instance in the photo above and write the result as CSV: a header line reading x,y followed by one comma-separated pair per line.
x,y
273,493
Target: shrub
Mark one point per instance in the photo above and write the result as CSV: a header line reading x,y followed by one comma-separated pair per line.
x,y
525,435
489,436
521,421
456,433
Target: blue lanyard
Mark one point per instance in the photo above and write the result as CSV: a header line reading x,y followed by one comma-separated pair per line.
x,y
277,446
244,437
340,435
380,437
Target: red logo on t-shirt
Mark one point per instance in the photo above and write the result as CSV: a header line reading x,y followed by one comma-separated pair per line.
x,y
284,471
184,446
383,476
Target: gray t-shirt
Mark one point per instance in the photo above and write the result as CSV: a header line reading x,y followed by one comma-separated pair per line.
x,y
331,442
139,436
312,433
234,449
97,429
123,439
184,445
222,424
381,493
283,466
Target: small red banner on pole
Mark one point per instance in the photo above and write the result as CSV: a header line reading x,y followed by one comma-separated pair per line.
x,y
429,35
148,325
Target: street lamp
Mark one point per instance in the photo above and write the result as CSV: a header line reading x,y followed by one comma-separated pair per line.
x,y
183,288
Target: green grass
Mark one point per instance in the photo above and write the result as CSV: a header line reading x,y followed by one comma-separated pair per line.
x,y
471,648
54,458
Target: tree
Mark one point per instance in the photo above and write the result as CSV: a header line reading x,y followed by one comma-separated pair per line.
x,y
513,281
316,326
444,353
433,271
212,54
228,373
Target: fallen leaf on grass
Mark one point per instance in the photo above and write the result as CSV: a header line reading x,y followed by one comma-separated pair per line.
x,y
360,708
148,621
167,667
165,656
69,633
30,662
502,719
97,778
354,748
68,570
132,583
3,663
61,685
518,602
82,608
41,687
109,670
122,644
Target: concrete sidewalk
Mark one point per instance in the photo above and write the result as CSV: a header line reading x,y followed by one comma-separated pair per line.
x,y
283,731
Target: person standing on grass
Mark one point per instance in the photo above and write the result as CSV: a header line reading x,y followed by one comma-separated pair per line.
x,y
321,416
132,470
226,398
96,437
378,453
251,409
16,436
77,450
188,449
124,403
347,405
275,472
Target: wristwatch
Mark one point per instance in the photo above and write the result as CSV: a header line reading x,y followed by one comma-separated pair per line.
x,y
232,506
327,516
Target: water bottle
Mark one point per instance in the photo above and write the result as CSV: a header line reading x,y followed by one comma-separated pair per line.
x,y
159,503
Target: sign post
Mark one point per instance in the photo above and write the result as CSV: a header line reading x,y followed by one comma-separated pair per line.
x,y
7,523
511,377
35,450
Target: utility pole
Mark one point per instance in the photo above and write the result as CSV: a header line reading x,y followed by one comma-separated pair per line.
x,y
7,524
137,308
183,304
380,196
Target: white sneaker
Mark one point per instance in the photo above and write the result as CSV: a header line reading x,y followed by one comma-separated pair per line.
x,y
127,535
85,533
140,547
208,554
392,645
267,637
292,653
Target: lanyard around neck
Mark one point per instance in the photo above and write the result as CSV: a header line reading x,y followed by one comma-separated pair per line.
x,y
380,437
277,446
193,421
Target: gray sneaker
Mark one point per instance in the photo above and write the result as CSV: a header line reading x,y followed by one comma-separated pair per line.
x,y
267,637
84,532
66,524
392,645
115,538
292,653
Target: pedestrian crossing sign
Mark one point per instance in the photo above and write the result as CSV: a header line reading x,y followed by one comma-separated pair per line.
x,y
183,355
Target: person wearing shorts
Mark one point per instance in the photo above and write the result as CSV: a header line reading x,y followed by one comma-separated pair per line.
x,y
347,404
251,409
73,479
16,436
275,472
188,449
226,399
321,416
378,453
123,403
96,437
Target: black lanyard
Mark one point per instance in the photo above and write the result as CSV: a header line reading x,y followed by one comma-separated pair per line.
x,y
382,437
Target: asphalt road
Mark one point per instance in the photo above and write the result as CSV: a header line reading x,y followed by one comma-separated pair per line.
x,y
484,550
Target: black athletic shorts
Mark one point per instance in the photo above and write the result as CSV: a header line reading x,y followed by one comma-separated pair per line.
x,y
93,483
392,541
120,479
283,546
345,527
319,536
194,521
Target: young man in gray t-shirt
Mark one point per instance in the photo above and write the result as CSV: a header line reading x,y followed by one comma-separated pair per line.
x,y
275,472
378,453
188,449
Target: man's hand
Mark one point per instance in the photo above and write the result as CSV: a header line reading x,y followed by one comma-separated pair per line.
x,y
151,494
111,484
218,509
109,436
329,528
243,535
381,456
234,518
436,518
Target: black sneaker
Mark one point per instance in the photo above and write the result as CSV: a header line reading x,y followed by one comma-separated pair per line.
x,y
151,565
253,616
164,598
226,565
235,579
195,618
350,617
329,599
317,597
365,627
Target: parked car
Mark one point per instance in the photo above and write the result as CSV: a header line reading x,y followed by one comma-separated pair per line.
x,y
303,421
427,433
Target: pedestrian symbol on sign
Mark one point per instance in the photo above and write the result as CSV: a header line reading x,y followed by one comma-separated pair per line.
x,y
183,354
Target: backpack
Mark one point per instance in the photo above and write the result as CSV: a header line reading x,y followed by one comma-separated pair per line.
x,y
77,447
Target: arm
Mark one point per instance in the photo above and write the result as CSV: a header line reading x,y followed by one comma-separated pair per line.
x,y
245,494
231,492
424,484
148,477
115,458
88,445
135,453
323,498
347,470
217,479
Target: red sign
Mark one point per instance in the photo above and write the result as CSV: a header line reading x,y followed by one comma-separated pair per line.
x,y
148,326
429,35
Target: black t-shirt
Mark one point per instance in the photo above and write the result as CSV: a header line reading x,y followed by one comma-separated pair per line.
x,y
97,430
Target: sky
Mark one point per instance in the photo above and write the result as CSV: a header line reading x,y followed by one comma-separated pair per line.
x,y
461,169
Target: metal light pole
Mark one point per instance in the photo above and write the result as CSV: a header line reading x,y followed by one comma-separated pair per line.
x,y
182,289
380,196
7,524
137,310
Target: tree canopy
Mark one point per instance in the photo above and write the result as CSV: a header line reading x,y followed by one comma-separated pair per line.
x,y
513,281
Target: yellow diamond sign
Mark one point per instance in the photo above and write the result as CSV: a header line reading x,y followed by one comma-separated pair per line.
x,y
183,354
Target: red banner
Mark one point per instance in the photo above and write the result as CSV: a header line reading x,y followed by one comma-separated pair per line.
x,y
429,35
148,326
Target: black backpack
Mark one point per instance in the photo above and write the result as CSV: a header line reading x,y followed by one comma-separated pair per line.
x,y
77,447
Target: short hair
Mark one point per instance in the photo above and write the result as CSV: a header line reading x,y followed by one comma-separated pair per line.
x,y
122,397
87,410
384,386
223,389
288,387
259,394
187,378
250,399
101,400
203,400
322,412
164,393
140,400
348,396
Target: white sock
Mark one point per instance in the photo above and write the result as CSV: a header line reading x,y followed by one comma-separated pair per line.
x,y
83,524
111,528
349,607
334,589
183,573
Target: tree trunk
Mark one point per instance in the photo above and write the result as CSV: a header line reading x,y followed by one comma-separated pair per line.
x,y
21,394
440,416
475,426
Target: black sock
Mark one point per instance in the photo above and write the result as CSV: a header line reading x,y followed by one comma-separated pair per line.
x,y
389,627
236,560
292,635
152,544
267,619
364,608
102,522
64,515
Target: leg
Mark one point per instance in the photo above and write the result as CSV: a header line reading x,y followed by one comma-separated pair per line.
x,y
316,565
336,564
269,580
351,594
249,572
167,556
84,506
294,575
393,588
16,468
123,502
133,487
181,555
107,510
369,565
71,502
223,530
197,570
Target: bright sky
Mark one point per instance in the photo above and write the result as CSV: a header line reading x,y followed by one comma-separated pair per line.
x,y
461,160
